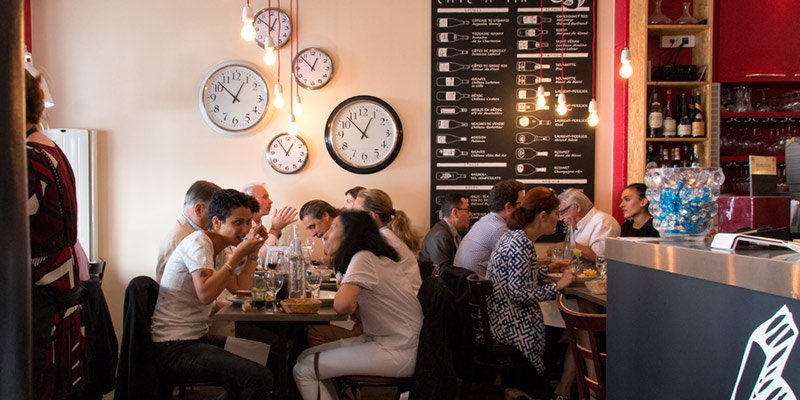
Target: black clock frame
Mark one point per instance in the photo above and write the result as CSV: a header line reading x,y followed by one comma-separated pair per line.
x,y
329,132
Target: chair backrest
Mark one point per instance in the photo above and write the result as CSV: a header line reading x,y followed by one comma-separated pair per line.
x,y
593,325
97,268
479,291
137,377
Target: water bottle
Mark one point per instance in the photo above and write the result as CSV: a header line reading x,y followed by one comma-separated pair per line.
x,y
600,265
297,267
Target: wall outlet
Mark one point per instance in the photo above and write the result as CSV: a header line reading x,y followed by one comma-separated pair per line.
x,y
671,42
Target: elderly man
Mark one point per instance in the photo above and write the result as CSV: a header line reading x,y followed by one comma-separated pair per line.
x,y
476,248
283,216
194,217
591,225
440,244
317,216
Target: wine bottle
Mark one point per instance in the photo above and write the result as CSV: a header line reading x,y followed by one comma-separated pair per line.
x,y
450,22
655,118
448,138
699,121
676,158
451,81
450,153
665,162
450,67
450,52
528,169
449,124
670,124
451,96
448,110
652,157
684,124
528,138
449,37
527,153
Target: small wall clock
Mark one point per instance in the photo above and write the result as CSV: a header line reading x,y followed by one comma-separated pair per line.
x,y
287,154
363,134
312,68
274,21
234,98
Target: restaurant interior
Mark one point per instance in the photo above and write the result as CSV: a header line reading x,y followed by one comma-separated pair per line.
x,y
135,78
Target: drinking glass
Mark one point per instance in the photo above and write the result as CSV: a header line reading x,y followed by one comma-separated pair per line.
x,y
308,250
274,282
259,290
313,281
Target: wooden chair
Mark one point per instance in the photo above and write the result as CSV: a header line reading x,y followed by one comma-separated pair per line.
x,y
492,356
355,382
594,325
97,268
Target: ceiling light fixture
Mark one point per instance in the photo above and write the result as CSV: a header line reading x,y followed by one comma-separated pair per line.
x,y
541,100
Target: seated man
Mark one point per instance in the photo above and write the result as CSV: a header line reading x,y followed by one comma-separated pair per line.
x,y
194,217
591,225
440,244
476,248
198,270
317,216
283,217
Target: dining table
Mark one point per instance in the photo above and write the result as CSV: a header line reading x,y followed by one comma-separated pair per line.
x,y
582,292
284,325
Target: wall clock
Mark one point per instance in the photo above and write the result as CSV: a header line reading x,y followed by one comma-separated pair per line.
x,y
274,21
312,68
363,134
287,154
233,98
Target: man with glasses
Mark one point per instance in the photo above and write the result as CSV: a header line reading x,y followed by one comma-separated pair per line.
x,y
440,244
591,225
477,246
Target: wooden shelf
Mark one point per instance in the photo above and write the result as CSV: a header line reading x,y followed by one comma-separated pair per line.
x,y
784,114
682,84
675,29
676,139
740,158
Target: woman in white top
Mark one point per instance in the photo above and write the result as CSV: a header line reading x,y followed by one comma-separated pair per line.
x,y
376,283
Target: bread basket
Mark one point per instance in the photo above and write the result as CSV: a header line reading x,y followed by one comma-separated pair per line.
x,y
596,286
301,306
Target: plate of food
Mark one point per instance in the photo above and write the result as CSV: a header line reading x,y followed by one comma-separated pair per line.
x,y
580,277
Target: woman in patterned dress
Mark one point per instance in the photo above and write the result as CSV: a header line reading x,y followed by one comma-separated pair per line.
x,y
514,312
59,344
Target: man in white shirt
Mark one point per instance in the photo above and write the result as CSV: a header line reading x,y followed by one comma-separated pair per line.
x,y
591,225
317,216
194,217
441,243
477,246
283,217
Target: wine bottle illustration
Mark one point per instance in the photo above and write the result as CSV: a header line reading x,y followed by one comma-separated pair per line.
x,y
531,45
530,107
451,81
449,37
531,20
449,124
448,138
530,32
531,80
449,110
525,66
451,67
449,176
527,153
450,52
450,153
528,169
528,138
450,22
530,122
451,96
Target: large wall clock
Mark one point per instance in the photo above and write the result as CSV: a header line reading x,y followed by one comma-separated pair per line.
x,y
287,154
274,21
363,134
234,98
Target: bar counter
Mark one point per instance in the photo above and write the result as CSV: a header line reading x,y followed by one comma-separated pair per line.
x,y
688,322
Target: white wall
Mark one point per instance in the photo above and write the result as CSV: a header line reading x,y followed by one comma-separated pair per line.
x,y
132,71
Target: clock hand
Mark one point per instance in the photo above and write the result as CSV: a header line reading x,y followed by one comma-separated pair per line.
x,y
364,133
236,96
284,148
354,124
290,149
306,61
315,63
229,92
272,26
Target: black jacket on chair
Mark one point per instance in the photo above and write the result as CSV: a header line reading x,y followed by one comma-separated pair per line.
x,y
434,376
462,340
137,378
102,341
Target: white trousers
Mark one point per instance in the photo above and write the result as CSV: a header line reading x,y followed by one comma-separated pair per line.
x,y
352,356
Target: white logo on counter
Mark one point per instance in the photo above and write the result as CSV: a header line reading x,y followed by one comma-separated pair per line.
x,y
776,338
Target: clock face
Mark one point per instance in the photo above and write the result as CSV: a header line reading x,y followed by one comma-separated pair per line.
x,y
313,68
233,98
274,21
287,154
363,134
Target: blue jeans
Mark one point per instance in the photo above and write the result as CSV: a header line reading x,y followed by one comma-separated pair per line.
x,y
206,360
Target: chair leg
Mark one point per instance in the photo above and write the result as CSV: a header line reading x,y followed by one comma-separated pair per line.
x,y
182,392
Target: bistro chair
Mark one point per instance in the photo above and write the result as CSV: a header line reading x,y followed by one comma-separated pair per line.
x,y
354,383
492,355
594,325
97,268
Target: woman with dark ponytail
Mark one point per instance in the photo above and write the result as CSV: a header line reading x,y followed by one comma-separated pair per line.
x,y
634,204
514,312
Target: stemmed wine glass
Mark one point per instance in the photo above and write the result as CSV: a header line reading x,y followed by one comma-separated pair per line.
x,y
313,281
274,283
308,250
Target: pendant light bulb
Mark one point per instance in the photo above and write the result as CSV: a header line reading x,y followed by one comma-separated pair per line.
x,y
298,107
292,128
541,100
625,70
561,109
593,119
248,31
279,102
269,56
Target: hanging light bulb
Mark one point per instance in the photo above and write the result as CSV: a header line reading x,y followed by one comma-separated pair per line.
x,y
279,102
248,31
269,51
593,119
625,70
292,128
298,107
541,100
561,109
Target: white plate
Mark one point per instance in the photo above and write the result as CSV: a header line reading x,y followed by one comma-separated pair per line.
x,y
242,300
326,296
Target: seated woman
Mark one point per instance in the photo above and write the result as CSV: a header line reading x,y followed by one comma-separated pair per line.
x,y
514,312
378,284
196,273
638,221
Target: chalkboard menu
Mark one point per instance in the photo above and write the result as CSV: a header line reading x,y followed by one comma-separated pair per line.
x,y
486,68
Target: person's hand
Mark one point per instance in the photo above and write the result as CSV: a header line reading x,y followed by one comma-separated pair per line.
x,y
283,216
249,245
558,265
257,231
567,278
